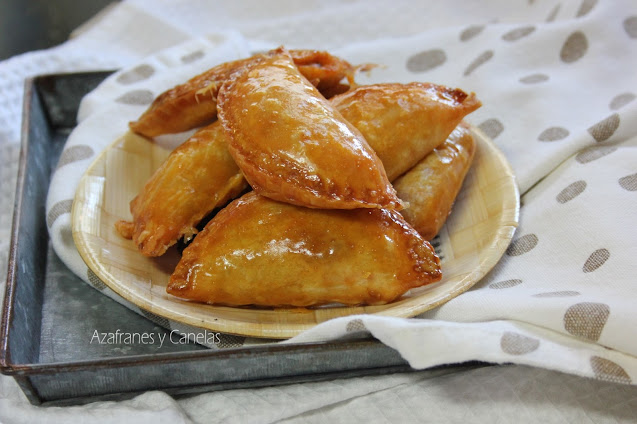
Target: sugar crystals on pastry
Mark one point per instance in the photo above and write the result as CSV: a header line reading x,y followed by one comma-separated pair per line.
x,y
404,122
258,251
294,146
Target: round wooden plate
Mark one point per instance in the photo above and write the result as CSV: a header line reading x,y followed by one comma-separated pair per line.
x,y
472,241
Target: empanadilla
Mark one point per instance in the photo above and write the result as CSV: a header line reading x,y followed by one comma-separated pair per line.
x,y
258,251
209,156
197,177
404,122
194,103
294,146
432,185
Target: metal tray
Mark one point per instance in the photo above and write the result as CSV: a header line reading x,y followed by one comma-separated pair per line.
x,y
49,315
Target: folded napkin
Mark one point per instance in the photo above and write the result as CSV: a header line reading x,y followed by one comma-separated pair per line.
x,y
558,99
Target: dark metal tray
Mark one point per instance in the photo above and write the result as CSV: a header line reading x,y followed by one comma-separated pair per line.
x,y
50,316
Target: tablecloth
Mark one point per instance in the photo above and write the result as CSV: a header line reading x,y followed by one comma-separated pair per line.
x,y
558,95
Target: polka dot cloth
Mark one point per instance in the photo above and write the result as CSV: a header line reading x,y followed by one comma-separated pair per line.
x,y
559,99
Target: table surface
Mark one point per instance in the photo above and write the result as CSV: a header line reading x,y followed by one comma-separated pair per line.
x,y
42,24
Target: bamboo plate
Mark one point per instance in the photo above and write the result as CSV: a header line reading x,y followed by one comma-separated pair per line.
x,y
472,241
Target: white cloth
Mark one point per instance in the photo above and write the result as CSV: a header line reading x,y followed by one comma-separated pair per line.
x,y
558,88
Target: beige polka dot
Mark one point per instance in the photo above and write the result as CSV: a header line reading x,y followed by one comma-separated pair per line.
x,y
517,344
604,129
551,17
595,260
355,325
571,192
94,280
518,33
586,7
478,61
563,293
593,153
57,210
522,245
505,284
161,321
608,370
621,100
574,47
136,74
534,78
586,319
192,57
67,237
630,26
137,97
471,32
553,134
629,182
74,154
491,127
227,341
426,60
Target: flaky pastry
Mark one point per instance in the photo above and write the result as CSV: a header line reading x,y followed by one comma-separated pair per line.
x,y
204,159
197,177
404,122
294,146
194,103
432,186
321,225
258,251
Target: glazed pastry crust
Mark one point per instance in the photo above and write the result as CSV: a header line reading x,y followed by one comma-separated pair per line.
x,y
257,251
194,103
200,154
207,153
432,186
197,177
186,106
324,71
294,146
404,122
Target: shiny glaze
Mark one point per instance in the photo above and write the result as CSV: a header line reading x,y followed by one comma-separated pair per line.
x,y
257,251
194,103
197,177
209,174
404,122
293,145
432,185
207,166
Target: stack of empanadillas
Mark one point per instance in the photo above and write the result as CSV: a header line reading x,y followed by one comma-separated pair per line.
x,y
326,191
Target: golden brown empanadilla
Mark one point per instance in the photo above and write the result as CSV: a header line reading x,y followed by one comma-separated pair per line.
x,y
194,103
378,108
294,146
258,251
197,177
404,122
432,185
